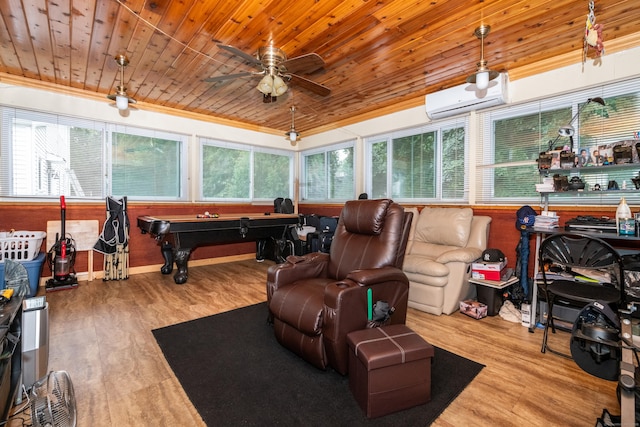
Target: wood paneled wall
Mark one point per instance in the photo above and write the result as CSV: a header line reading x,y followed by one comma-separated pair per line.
x,y
145,251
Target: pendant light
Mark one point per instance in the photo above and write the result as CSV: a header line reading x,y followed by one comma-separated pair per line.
x,y
292,135
484,75
120,97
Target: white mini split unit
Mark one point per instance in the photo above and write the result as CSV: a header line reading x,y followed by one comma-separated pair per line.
x,y
463,98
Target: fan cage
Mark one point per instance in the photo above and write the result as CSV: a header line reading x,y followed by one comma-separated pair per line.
x,y
53,401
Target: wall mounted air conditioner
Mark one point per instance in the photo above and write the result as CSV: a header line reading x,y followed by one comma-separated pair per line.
x,y
465,97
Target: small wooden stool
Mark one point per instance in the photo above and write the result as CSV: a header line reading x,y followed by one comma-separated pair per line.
x,y
389,369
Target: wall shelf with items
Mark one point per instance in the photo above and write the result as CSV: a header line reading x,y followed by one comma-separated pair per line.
x,y
603,185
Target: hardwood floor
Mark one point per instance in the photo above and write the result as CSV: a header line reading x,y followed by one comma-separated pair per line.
x,y
101,334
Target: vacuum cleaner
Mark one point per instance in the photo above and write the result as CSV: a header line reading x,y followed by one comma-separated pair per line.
x,y
61,257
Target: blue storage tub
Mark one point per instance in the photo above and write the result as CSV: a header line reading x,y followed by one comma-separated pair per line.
x,y
34,269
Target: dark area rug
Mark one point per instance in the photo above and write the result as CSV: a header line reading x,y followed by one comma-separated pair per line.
x,y
235,373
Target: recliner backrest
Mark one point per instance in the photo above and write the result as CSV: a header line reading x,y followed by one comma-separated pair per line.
x,y
370,234
444,226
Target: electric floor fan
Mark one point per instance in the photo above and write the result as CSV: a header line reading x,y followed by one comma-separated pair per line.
x,y
53,402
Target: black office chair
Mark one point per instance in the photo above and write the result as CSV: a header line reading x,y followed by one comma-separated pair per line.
x,y
566,259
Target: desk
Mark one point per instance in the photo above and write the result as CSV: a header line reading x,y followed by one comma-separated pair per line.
x,y
612,238
178,235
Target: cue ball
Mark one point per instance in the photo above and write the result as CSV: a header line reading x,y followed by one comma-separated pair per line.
x,y
207,213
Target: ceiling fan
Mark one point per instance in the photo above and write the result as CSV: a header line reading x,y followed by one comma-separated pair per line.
x,y
276,70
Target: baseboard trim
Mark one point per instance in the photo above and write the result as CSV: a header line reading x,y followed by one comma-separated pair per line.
x,y
98,275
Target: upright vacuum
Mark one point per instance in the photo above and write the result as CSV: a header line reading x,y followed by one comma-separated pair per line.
x,y
62,257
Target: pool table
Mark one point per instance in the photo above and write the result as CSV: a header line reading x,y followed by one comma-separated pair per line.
x,y
178,235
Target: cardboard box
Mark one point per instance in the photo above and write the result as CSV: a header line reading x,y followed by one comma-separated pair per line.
x,y
488,270
474,309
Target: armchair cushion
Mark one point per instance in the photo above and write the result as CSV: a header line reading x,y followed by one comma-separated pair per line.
x,y
363,219
302,305
444,226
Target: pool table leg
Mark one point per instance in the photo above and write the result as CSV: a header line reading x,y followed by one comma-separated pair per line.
x,y
167,254
182,257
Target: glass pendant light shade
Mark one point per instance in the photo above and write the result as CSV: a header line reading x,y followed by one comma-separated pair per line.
x,y
122,102
266,85
279,87
482,80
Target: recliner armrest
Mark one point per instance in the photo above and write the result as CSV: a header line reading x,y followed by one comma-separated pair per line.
x,y
372,276
466,255
297,268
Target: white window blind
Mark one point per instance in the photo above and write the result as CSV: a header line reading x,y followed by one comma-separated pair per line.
x,y
428,163
514,137
234,172
46,155
327,174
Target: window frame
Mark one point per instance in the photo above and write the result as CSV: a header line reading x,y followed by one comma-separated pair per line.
x,y
252,150
438,126
485,152
8,114
183,164
326,150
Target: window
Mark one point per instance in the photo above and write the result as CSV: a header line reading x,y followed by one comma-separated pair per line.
x,y
419,164
242,172
514,138
144,165
328,174
45,155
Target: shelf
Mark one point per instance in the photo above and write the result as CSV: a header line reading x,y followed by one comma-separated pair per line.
x,y
592,192
496,284
589,169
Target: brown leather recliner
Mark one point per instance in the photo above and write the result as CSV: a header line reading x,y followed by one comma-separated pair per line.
x,y
315,300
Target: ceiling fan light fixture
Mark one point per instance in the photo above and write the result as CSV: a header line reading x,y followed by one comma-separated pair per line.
x,y
266,84
279,86
272,85
483,75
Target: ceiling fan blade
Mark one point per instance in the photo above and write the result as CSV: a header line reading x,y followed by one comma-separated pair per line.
x,y
304,64
310,85
228,77
249,58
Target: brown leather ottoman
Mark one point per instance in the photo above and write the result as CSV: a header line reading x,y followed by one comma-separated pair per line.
x,y
389,369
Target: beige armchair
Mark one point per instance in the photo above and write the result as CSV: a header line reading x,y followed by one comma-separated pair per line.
x,y
443,243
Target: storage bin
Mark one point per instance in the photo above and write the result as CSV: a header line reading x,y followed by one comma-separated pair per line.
x,y
389,369
20,245
491,297
34,269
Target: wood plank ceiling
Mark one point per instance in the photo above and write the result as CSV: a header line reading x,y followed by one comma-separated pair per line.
x,y
380,55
